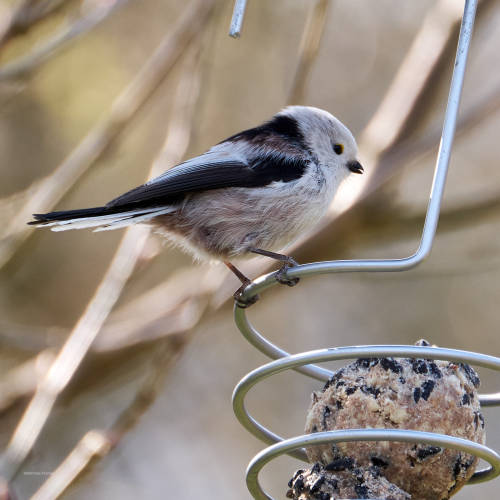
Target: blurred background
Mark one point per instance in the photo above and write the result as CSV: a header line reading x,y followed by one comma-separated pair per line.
x,y
97,95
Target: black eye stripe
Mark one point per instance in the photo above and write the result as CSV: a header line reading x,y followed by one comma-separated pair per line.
x,y
338,148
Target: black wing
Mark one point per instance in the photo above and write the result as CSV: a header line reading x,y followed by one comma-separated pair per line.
x,y
213,170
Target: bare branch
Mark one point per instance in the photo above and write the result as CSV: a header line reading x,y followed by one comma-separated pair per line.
x,y
173,307
27,63
96,444
51,189
86,329
73,351
409,150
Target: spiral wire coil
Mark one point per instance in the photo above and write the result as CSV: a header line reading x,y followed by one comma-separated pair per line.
x,y
302,362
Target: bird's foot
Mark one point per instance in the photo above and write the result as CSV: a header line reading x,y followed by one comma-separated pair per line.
x,y
240,302
244,303
288,262
281,274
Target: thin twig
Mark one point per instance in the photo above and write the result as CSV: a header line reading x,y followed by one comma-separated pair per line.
x,y
406,151
52,188
79,340
309,49
29,62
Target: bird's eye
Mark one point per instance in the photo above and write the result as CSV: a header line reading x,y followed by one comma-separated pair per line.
x,y
338,148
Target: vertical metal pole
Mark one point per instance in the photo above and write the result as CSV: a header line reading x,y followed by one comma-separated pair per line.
x,y
237,19
450,122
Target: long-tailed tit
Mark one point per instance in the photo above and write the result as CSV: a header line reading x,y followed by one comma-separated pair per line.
x,y
255,192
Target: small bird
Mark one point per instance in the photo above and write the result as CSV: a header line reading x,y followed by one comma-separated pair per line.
x,y
255,192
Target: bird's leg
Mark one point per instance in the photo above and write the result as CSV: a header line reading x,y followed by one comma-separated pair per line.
x,y
244,283
287,263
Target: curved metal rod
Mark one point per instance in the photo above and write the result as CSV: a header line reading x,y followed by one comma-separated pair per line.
x,y
318,438
339,353
266,281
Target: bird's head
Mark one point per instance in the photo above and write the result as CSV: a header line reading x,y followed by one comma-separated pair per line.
x,y
328,139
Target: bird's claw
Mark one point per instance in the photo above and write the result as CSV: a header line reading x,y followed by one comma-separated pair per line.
x,y
281,274
244,303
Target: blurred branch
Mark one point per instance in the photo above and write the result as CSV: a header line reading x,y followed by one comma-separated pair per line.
x,y
25,15
132,326
409,150
412,78
28,338
27,63
172,307
22,380
98,309
308,51
52,188
73,351
96,444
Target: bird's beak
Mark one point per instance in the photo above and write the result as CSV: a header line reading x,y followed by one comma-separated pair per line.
x,y
355,166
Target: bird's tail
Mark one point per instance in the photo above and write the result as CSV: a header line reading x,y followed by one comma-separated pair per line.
x,y
100,218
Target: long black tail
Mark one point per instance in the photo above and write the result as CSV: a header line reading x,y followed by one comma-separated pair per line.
x,y
99,218
71,214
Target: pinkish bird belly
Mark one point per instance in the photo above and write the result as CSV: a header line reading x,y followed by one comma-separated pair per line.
x,y
219,224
